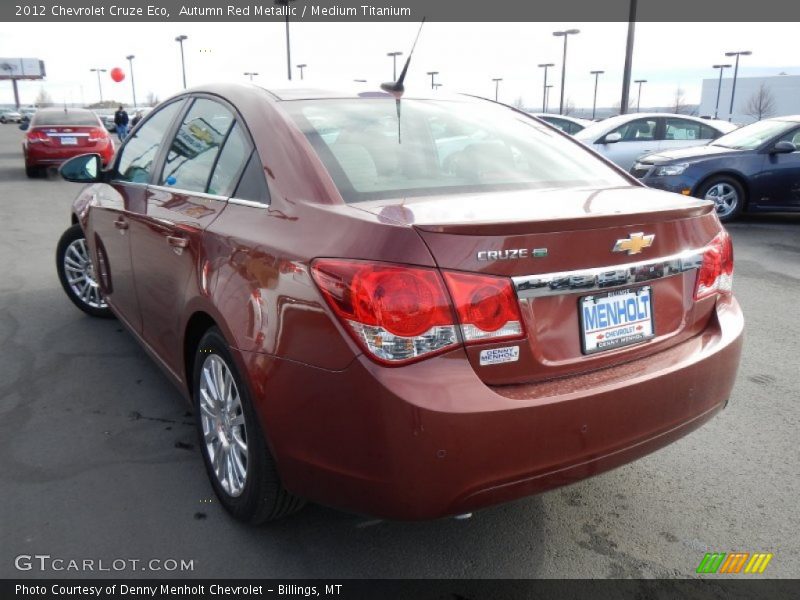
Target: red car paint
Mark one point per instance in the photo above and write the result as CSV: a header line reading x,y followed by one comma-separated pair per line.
x,y
442,434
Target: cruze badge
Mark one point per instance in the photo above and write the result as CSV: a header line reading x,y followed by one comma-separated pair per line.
x,y
512,254
635,243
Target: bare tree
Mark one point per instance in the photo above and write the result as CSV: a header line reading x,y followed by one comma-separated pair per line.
x,y
679,105
519,103
43,98
152,99
761,104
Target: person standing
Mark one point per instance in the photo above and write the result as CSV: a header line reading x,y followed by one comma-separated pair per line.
x,y
121,123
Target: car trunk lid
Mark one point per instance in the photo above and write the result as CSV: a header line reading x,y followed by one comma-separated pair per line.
x,y
558,248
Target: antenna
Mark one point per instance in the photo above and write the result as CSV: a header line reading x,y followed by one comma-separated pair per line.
x,y
397,87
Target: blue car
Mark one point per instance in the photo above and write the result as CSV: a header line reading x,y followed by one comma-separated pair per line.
x,y
752,169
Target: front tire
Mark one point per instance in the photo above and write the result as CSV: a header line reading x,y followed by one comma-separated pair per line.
x,y
77,275
239,464
727,194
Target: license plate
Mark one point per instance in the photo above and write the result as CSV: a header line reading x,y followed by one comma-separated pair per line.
x,y
69,141
616,319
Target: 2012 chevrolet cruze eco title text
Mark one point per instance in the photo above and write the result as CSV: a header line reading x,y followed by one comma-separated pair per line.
x,y
404,307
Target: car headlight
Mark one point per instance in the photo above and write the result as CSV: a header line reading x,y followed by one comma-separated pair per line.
x,y
668,170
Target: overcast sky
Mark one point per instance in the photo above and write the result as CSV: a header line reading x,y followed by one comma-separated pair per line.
x,y
467,55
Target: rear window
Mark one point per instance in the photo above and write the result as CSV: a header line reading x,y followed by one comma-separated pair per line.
x,y
60,117
375,149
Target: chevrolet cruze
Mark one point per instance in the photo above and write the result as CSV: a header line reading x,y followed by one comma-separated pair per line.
x,y
400,305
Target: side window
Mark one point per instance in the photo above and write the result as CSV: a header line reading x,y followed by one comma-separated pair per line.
x,y
136,158
792,136
231,161
683,130
252,185
639,130
709,133
194,149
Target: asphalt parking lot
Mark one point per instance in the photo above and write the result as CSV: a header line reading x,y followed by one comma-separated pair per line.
x,y
98,455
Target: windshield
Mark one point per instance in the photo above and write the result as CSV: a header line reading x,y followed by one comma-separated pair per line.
x,y
440,147
754,135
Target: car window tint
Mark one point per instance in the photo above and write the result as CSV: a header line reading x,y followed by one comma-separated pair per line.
x,y
683,129
231,161
193,151
637,131
140,150
709,133
253,185
76,118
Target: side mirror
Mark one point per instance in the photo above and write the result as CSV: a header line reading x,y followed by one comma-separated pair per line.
x,y
783,147
612,138
24,125
82,169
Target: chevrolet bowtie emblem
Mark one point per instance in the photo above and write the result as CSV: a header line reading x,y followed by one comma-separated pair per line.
x,y
635,243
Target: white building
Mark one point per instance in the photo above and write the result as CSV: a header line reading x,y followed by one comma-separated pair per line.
x,y
783,89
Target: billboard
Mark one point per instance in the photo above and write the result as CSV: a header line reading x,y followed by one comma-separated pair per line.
x,y
21,68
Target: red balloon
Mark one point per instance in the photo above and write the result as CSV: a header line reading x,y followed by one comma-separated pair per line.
x,y
117,74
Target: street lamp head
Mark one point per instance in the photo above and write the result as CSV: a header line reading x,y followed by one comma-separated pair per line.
x,y
302,66
497,79
180,38
433,72
596,72
547,65
740,53
394,54
566,32
99,70
722,66
640,81
130,57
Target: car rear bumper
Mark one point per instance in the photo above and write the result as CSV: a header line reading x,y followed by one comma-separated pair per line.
x,y
430,439
37,155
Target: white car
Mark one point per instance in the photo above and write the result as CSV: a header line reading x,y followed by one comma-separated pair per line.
x,y
570,125
625,138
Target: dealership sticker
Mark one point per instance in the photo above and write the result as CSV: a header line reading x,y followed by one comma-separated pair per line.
x,y
495,356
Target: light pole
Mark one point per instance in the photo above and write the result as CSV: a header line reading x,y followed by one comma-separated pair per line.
x,y
301,67
250,74
547,97
565,34
285,3
719,86
626,73
594,102
433,74
735,73
99,83
130,58
180,39
394,56
497,81
639,98
545,66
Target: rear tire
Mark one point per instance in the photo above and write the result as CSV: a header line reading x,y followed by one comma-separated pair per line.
x,y
727,194
239,464
31,172
77,275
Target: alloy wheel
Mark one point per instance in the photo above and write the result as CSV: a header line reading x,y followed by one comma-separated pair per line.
x,y
80,274
724,196
222,419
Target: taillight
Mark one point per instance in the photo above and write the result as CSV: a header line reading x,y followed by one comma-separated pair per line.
x,y
396,313
716,273
37,137
97,135
487,307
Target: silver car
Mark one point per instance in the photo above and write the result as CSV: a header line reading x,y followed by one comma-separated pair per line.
x,y
625,138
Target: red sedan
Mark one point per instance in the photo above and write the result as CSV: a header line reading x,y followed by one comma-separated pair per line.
x,y
403,306
57,134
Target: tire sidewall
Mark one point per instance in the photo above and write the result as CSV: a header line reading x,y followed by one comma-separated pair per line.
x,y
244,506
69,236
739,191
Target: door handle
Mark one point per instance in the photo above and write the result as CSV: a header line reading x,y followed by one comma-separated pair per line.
x,y
121,224
177,242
